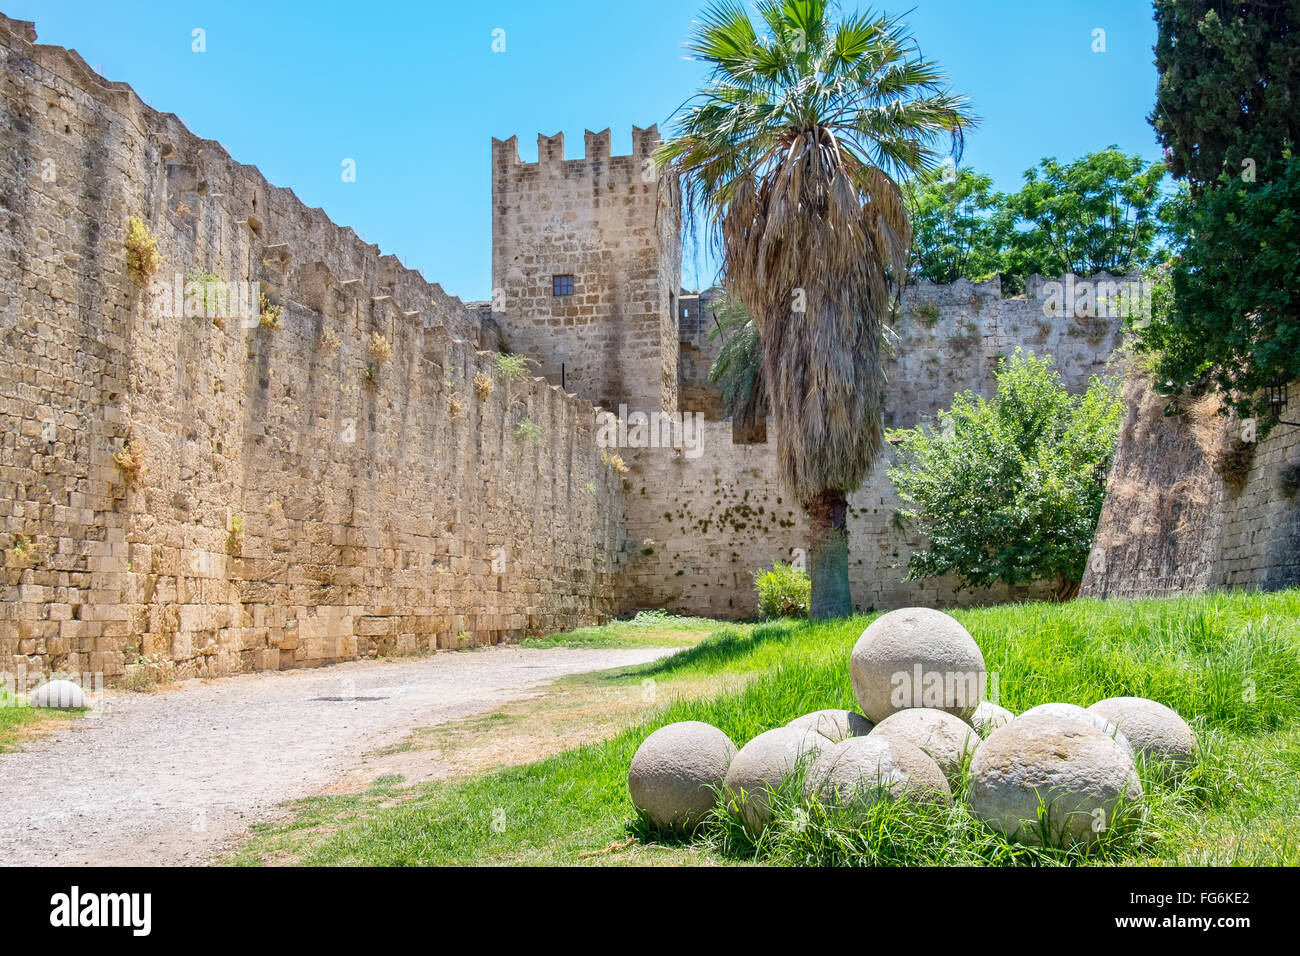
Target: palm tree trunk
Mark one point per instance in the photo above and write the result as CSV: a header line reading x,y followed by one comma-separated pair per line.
x,y
829,557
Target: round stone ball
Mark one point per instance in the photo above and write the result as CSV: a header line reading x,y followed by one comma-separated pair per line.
x,y
859,771
673,771
916,657
1080,774
764,764
58,694
947,739
1156,732
1075,712
988,717
834,725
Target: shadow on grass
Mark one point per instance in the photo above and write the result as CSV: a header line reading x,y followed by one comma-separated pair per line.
x,y
724,647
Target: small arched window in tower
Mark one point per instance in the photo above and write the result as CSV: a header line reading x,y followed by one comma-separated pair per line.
x,y
562,285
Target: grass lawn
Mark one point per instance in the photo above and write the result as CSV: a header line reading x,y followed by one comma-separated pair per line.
x,y
1229,663
647,629
17,723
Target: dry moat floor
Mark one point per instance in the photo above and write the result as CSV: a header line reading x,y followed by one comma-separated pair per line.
x,y
520,755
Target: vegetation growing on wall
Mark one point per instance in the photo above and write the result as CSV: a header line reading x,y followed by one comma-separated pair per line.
x,y
142,256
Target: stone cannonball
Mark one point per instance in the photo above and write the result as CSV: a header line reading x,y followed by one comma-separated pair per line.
x,y
763,764
947,739
1080,774
1075,712
834,725
58,694
1154,730
674,769
988,717
860,770
916,657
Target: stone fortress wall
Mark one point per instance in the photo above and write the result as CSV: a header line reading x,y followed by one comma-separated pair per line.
x,y
1179,517
613,225
302,501
305,500
700,527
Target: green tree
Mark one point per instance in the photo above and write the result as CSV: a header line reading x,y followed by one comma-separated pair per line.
x,y
1097,213
1010,489
960,226
1226,113
1229,76
789,154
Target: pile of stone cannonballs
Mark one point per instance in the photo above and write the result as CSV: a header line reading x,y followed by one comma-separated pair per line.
x,y
920,680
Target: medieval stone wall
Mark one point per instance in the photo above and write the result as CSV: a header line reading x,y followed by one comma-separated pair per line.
x,y
700,527
614,225
1186,510
304,497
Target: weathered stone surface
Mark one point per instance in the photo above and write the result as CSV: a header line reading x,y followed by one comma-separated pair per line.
x,y
764,764
947,739
1075,712
835,725
916,657
1155,731
1081,775
58,694
861,770
989,716
301,500
1170,523
674,771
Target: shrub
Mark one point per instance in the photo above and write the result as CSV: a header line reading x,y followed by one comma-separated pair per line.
x,y
455,407
784,591
483,385
380,347
530,431
270,318
142,257
1010,489
235,539
512,368
129,459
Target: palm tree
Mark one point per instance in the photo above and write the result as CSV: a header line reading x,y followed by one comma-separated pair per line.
x,y
787,155
739,365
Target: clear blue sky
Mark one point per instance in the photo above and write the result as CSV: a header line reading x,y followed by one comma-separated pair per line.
x,y
413,92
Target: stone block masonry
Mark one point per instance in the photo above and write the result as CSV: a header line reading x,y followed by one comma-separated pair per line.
x,y
608,229
701,527
1186,510
302,498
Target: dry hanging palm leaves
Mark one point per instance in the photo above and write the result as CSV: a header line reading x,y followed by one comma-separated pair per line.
x,y
786,156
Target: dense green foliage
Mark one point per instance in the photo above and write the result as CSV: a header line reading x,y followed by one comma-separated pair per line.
x,y
1234,317
1228,662
1226,113
1097,213
1009,489
783,591
1100,212
1229,77
959,226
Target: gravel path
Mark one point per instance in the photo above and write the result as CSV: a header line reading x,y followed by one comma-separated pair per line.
x,y
174,776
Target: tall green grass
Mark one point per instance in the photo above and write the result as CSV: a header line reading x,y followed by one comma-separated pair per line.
x,y
1229,663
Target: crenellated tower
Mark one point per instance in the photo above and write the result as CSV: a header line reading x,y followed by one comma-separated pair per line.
x,y
586,267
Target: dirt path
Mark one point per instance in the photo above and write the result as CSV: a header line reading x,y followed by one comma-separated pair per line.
x,y
172,777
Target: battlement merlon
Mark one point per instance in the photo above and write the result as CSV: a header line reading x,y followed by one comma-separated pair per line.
x,y
597,148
